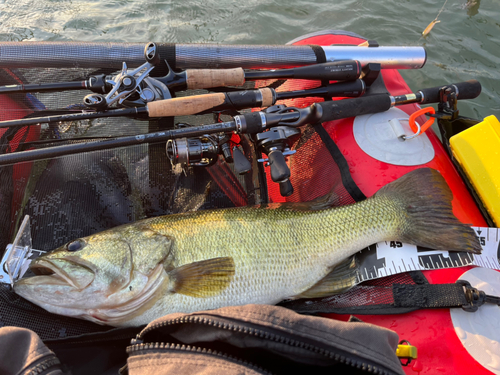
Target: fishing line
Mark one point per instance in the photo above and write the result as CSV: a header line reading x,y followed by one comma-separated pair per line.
x,y
429,27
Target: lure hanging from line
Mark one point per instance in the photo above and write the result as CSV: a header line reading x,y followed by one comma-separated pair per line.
x,y
428,29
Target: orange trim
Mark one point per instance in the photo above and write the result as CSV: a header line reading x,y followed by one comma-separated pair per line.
x,y
427,124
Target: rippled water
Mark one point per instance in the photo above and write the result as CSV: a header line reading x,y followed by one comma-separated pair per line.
x,y
464,45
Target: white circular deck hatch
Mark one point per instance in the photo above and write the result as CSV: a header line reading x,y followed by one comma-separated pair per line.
x,y
479,331
379,135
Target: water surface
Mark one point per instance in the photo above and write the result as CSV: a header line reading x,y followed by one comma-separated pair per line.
x,y
464,45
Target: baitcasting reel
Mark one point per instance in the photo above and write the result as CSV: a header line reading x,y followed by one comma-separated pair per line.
x,y
130,87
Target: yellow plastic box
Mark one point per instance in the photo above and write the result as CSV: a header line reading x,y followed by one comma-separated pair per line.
x,y
477,149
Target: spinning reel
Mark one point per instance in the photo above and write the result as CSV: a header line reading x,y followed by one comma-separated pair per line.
x,y
205,150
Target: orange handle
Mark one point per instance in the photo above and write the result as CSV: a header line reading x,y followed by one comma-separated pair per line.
x,y
427,124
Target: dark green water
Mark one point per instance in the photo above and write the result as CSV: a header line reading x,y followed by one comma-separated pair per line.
x,y
464,45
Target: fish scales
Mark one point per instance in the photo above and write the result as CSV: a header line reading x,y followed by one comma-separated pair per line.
x,y
286,248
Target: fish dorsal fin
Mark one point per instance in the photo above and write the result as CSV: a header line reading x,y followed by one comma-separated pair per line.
x,y
323,202
331,199
203,279
339,280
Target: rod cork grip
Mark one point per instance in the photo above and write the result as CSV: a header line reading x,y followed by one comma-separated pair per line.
x,y
267,97
339,109
206,78
188,105
466,90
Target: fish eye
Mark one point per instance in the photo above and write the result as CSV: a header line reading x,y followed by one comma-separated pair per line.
x,y
75,245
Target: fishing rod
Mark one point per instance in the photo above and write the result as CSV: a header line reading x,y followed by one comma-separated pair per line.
x,y
258,122
195,104
192,79
348,70
206,56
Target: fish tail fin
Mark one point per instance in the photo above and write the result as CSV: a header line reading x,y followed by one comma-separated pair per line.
x,y
425,197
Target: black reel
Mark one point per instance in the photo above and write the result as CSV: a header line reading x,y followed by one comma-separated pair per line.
x,y
131,87
276,144
199,152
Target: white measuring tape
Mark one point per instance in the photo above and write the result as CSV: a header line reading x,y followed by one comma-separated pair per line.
x,y
392,257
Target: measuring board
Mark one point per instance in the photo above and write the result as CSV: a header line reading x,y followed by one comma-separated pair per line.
x,y
392,257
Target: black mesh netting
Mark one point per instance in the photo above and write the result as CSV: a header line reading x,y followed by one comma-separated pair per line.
x,y
371,297
16,311
77,195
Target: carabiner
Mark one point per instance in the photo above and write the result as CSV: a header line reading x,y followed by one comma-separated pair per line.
x,y
426,125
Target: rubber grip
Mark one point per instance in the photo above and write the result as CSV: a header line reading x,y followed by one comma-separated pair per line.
x,y
253,123
346,70
188,105
242,99
466,90
249,98
338,109
206,78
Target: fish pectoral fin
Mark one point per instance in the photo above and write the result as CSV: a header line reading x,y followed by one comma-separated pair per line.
x,y
339,280
203,279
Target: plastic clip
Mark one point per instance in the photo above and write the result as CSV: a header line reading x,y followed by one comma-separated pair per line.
x,y
476,298
18,255
406,351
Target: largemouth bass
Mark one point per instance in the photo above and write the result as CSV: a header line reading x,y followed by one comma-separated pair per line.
x,y
135,273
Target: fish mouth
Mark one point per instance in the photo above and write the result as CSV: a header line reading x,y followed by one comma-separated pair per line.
x,y
62,272
42,270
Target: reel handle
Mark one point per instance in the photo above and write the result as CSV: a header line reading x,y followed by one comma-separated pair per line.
x,y
95,101
241,163
280,172
286,188
151,54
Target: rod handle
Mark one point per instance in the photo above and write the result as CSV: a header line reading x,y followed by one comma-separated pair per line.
x,y
339,109
466,90
349,89
184,106
206,78
264,97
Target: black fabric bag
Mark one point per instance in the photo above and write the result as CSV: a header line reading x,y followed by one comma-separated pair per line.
x,y
250,339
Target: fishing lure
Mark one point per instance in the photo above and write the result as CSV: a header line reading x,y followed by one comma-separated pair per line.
x,y
428,29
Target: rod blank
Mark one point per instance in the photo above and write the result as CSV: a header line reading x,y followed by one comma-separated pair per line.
x,y
192,56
